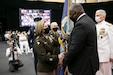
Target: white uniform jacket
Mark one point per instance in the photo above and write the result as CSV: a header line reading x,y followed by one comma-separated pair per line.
x,y
105,41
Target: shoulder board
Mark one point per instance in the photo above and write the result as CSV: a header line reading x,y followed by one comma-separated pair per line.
x,y
108,24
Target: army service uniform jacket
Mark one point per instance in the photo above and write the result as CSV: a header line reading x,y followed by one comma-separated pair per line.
x,y
47,49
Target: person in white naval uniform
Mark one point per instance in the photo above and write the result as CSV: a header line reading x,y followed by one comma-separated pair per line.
x,y
105,43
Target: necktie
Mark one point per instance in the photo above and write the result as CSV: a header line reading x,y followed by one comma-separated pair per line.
x,y
13,55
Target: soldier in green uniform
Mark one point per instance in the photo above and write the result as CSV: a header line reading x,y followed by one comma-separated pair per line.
x,y
47,48
54,31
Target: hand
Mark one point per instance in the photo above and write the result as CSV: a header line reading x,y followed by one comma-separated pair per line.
x,y
60,62
61,55
11,49
111,59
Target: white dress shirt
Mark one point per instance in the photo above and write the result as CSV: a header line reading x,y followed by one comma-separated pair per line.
x,y
10,55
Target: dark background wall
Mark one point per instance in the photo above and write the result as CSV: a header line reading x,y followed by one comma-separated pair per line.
x,y
90,9
9,11
13,11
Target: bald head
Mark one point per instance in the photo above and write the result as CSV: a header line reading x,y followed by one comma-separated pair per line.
x,y
75,11
76,7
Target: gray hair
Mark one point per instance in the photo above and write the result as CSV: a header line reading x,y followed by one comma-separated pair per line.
x,y
102,11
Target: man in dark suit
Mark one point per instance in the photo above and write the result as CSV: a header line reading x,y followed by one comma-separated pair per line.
x,y
82,56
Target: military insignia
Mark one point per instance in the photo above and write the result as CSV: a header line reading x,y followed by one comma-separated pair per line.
x,y
38,42
102,31
50,59
50,38
45,42
37,37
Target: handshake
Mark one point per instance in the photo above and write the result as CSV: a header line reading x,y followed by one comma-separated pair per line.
x,y
61,57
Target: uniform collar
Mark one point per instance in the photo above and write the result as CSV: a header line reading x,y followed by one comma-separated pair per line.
x,y
102,22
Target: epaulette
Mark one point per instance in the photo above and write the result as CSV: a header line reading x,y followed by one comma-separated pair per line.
x,y
108,24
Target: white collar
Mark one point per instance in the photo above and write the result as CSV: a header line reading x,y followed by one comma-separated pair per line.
x,y
101,23
81,16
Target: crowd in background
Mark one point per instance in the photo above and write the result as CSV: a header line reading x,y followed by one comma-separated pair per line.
x,y
20,39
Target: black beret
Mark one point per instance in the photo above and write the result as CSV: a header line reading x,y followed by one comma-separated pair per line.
x,y
37,19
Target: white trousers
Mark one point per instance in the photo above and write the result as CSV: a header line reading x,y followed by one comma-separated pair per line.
x,y
24,46
105,68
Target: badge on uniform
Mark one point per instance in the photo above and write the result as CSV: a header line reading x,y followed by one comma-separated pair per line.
x,y
38,43
45,42
102,31
50,59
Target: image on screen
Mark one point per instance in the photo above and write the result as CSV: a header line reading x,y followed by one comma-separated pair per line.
x,y
27,16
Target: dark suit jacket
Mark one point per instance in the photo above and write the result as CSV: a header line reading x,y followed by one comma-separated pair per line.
x,y
31,36
82,56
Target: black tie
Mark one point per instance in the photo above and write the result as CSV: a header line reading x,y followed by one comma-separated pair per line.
x,y
13,55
